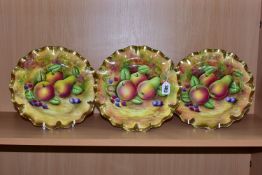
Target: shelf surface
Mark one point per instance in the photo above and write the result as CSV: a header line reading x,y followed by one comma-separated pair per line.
x,y
95,131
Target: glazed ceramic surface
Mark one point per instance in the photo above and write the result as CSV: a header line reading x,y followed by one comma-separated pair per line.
x,y
53,86
216,89
137,88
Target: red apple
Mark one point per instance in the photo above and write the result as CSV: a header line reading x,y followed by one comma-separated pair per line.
x,y
126,90
53,77
137,78
207,80
44,91
199,95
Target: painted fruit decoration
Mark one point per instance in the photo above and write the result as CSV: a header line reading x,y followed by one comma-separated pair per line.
x,y
50,84
43,91
216,88
130,88
126,90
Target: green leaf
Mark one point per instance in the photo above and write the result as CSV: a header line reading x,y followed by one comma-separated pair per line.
x,y
77,90
237,73
75,71
221,67
203,67
55,101
21,81
137,100
125,74
54,68
188,74
29,95
185,97
126,62
194,81
234,88
40,76
143,69
209,104
208,69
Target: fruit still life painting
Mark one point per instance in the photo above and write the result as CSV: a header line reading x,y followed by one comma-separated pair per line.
x,y
137,88
216,89
54,86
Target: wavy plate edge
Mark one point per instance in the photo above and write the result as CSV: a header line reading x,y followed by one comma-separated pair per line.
x,y
233,118
136,125
20,107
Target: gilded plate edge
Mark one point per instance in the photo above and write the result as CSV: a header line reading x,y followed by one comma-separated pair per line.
x,y
136,126
19,108
233,118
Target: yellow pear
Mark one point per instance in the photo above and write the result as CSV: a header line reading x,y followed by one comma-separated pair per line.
x,y
64,87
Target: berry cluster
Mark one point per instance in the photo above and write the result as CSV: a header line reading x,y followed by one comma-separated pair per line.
x,y
38,103
111,81
184,89
231,99
28,86
157,103
192,107
115,100
74,100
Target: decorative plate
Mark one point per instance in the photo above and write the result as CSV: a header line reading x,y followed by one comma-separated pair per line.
x,y
137,88
53,86
216,89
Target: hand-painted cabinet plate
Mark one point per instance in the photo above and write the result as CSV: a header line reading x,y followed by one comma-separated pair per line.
x,y
53,86
137,88
215,89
